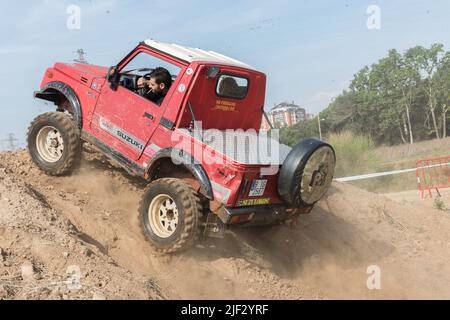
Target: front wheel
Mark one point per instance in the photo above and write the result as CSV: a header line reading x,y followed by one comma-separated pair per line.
x,y
54,143
170,213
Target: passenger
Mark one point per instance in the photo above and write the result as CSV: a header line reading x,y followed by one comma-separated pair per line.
x,y
229,87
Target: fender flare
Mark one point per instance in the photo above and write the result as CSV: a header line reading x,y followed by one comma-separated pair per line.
x,y
189,163
52,91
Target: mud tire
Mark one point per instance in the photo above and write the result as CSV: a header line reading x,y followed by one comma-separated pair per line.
x,y
189,211
68,134
307,173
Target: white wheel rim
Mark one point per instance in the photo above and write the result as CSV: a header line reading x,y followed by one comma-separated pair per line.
x,y
317,175
163,216
50,144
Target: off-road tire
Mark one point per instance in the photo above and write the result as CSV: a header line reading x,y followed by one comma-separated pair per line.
x,y
70,136
293,172
189,207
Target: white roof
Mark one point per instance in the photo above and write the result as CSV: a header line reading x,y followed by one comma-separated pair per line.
x,y
194,54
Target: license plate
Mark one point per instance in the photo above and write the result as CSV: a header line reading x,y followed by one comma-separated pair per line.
x,y
258,187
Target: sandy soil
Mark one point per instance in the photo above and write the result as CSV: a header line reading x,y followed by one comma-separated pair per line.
x,y
415,197
89,220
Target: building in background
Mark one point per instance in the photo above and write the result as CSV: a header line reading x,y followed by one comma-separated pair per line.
x,y
285,115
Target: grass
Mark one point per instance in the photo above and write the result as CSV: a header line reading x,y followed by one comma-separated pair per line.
x,y
439,204
356,155
406,155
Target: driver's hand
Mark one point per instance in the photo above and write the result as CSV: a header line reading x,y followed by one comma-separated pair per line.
x,y
141,82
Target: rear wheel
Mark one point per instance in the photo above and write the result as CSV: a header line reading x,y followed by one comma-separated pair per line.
x,y
170,213
54,143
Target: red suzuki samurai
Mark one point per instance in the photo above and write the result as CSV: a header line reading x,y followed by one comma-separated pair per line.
x,y
207,163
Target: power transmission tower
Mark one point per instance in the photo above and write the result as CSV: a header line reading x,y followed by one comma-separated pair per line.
x,y
11,142
81,59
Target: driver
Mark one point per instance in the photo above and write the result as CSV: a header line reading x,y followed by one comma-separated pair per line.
x,y
155,88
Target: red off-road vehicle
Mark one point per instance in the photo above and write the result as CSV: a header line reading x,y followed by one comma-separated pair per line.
x,y
208,181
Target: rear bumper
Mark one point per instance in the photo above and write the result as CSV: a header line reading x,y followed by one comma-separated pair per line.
x,y
258,215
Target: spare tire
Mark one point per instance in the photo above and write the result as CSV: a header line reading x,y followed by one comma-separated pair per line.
x,y
307,173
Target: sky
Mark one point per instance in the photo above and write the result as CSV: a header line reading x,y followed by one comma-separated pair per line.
x,y
308,49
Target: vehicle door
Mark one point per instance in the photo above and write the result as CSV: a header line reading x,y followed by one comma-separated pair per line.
x,y
124,120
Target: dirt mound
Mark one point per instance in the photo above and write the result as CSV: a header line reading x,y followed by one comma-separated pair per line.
x,y
89,220
43,255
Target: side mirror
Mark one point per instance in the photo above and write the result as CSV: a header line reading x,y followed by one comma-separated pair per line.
x,y
113,77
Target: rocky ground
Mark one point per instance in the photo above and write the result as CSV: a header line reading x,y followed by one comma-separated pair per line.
x,y
78,237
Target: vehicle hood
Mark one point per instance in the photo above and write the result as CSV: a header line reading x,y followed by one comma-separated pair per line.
x,y
85,73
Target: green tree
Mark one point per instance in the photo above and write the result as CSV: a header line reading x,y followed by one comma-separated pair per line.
x,y
442,79
402,98
302,130
428,62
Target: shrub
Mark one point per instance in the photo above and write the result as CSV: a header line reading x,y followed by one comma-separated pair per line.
x,y
354,153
